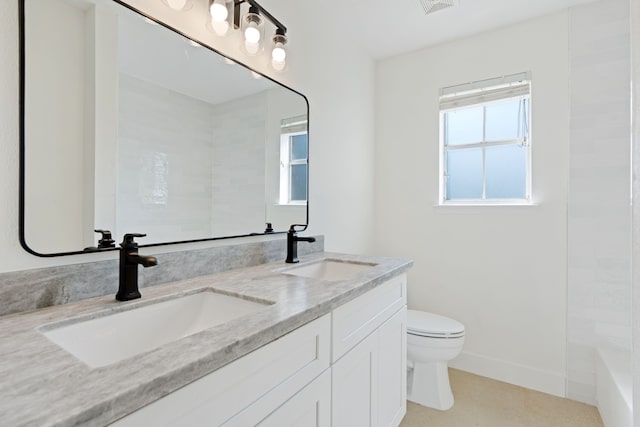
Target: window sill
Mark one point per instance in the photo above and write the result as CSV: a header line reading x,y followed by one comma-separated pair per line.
x,y
484,208
475,205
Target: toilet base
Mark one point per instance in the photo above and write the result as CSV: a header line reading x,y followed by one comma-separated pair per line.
x,y
428,385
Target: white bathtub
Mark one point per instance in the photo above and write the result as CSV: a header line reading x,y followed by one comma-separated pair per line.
x,y
613,387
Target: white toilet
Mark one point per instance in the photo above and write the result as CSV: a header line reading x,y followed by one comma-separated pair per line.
x,y
432,340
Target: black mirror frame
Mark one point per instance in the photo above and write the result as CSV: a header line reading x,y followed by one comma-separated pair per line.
x,y
22,159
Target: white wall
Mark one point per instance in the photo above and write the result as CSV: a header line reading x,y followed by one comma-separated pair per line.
x,y
599,237
280,105
70,112
635,221
58,122
336,76
102,119
499,270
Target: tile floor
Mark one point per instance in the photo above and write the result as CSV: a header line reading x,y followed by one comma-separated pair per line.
x,y
483,402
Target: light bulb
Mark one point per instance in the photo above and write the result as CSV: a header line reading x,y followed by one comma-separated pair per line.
x,y
218,10
251,33
177,4
278,54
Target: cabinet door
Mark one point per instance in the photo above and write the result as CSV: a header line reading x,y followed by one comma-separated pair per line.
x,y
361,316
355,386
311,407
392,371
262,380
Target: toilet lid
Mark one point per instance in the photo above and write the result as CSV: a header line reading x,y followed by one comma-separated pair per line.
x,y
433,325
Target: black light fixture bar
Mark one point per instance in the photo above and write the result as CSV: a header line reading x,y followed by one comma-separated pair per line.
x,y
262,10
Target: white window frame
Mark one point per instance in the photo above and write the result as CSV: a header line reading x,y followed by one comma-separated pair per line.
x,y
286,163
484,93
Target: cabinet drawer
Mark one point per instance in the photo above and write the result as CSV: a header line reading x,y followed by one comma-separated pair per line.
x,y
310,407
353,321
284,366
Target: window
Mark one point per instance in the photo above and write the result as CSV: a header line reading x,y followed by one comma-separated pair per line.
x,y
294,154
485,142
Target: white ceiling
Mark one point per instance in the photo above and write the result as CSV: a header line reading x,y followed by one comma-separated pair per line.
x,y
386,28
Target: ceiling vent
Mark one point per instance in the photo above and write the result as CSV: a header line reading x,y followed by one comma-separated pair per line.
x,y
431,6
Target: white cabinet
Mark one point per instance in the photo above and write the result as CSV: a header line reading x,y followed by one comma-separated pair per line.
x,y
369,355
356,319
369,381
249,388
392,371
345,369
311,407
354,386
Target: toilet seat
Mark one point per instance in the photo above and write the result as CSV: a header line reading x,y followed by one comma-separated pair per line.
x,y
432,325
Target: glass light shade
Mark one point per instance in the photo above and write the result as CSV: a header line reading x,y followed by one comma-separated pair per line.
x,y
176,4
218,10
278,65
220,28
252,26
252,48
278,54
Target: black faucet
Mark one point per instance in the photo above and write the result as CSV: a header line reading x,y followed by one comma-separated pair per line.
x,y
292,243
106,241
129,260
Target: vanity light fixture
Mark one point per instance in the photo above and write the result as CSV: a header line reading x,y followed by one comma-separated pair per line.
x,y
226,14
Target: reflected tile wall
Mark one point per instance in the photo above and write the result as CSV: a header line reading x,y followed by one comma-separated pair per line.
x,y
164,173
239,166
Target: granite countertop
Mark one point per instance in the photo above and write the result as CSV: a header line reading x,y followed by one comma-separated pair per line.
x,y
41,384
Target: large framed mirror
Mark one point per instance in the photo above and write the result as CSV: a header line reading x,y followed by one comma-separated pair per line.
x,y
128,125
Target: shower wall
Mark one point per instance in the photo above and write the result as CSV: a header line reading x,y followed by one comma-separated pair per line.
x,y
599,211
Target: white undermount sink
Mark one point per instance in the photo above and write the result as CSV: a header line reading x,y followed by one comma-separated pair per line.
x,y
108,339
329,269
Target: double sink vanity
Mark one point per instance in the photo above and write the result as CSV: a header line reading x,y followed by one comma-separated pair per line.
x,y
322,342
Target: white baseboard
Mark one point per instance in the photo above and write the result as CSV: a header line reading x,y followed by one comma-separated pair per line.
x,y
512,373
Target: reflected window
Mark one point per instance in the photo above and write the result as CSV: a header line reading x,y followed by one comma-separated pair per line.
x,y
294,155
485,142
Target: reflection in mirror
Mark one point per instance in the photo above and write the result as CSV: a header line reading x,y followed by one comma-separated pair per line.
x,y
130,127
